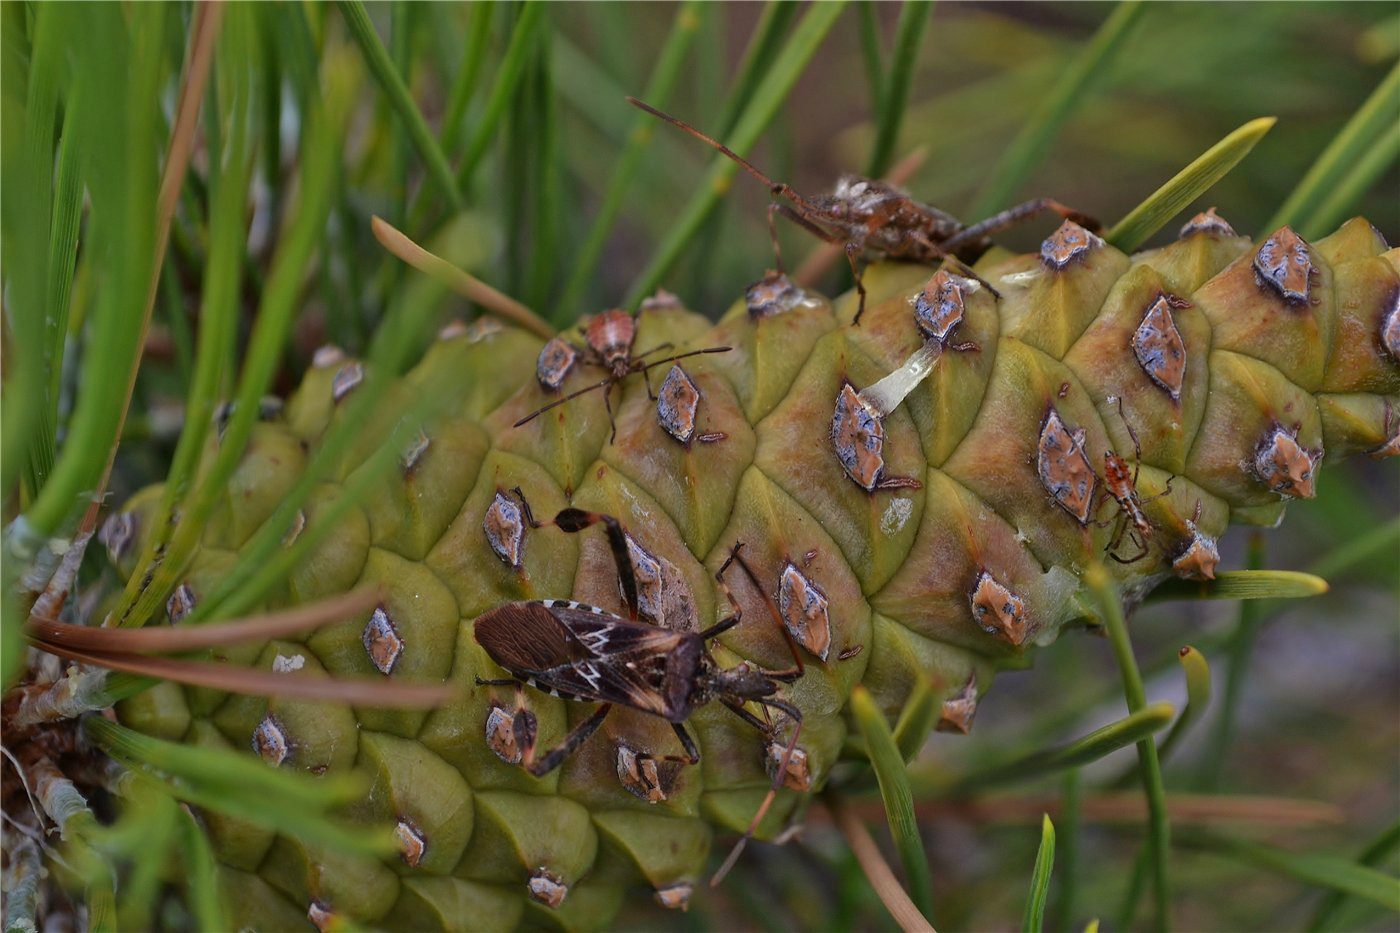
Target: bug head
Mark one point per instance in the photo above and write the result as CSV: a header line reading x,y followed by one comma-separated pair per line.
x,y
743,682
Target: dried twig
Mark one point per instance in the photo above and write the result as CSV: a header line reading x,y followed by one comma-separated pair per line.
x,y
358,691
876,869
191,638
1124,808
463,283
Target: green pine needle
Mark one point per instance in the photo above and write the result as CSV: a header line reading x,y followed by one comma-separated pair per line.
x,y
1339,160
1029,147
1324,871
1375,852
659,88
917,719
1187,185
894,94
762,108
1245,584
1136,727
1159,832
888,763
1034,918
392,83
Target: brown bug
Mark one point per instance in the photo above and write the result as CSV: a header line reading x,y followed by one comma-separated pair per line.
x,y
863,214
1122,486
579,652
609,338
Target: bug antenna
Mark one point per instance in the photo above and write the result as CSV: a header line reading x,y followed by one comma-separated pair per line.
x,y
557,402
776,187
762,811
772,611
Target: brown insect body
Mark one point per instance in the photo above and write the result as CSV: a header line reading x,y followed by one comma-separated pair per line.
x,y
580,652
863,214
609,338
1121,484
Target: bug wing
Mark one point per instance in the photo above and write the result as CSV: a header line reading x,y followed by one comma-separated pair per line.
x,y
528,638
629,662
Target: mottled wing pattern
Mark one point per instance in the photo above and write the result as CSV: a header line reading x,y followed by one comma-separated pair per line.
x,y
578,651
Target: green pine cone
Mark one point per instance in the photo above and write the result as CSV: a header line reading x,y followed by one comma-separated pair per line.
x,y
1237,366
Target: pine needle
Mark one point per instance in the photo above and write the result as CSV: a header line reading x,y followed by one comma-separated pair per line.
x,y
463,283
1034,918
877,870
888,763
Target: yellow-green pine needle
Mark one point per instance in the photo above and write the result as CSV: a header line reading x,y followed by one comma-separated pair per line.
x,y
1034,918
885,757
1187,185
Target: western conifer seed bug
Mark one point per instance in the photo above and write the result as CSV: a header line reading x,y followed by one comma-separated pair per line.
x,y
863,214
579,652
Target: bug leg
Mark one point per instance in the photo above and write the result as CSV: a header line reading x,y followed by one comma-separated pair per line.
x,y
796,670
774,209
1166,491
1015,215
556,755
497,682
573,520
762,811
612,421
736,611
692,751
853,250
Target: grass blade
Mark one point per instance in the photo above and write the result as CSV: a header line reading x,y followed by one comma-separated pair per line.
x,y
1034,918
658,91
1365,172
1159,831
1378,114
894,791
1324,871
1187,185
916,720
769,96
1136,727
1028,149
1197,671
877,870
392,83
522,46
894,92
206,899
1377,850
1068,841
1245,584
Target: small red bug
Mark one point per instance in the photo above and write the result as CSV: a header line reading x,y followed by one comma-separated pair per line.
x,y
609,338
1122,486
